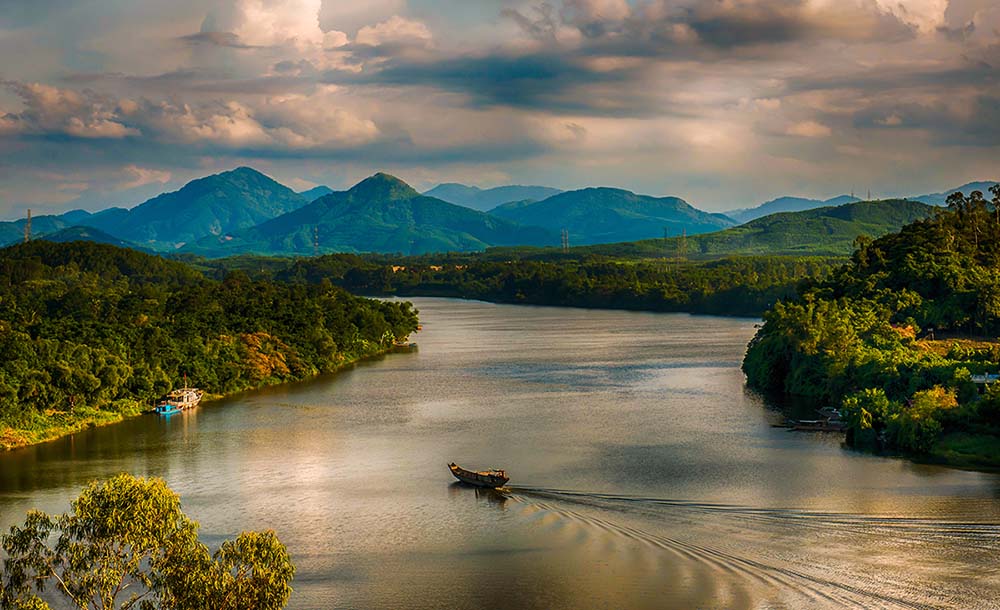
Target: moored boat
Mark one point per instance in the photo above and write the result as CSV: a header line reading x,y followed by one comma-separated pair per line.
x,y
480,478
178,400
166,409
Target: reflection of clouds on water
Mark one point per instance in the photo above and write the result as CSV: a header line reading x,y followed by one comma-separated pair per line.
x,y
350,470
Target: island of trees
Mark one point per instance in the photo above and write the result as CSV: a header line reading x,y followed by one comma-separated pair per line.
x,y
90,333
903,338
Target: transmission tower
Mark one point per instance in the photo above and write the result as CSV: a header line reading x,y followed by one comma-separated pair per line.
x,y
316,240
565,240
27,228
682,245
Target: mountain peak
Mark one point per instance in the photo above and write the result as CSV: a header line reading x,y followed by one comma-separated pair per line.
x,y
242,172
383,186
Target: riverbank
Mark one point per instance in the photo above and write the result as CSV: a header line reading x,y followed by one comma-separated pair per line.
x,y
53,425
91,334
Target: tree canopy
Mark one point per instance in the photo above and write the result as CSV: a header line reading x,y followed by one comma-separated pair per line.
x,y
127,545
89,332
896,335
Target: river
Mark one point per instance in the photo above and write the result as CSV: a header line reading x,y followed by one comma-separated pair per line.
x,y
643,475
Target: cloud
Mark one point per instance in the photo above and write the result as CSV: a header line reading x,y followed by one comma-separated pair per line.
x,y
809,129
670,27
268,22
284,122
219,39
136,176
52,111
395,31
550,81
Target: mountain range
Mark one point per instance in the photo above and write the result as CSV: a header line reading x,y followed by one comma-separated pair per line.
x,y
604,215
315,193
243,210
940,198
826,231
786,204
213,205
380,214
487,199
799,204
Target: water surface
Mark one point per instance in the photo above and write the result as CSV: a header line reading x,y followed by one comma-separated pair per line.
x,y
644,475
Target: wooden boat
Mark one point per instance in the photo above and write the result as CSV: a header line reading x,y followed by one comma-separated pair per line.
x,y
479,478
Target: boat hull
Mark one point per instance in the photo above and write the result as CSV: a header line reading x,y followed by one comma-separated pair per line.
x,y
489,479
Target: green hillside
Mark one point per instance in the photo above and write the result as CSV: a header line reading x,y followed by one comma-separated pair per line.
x,y
90,333
829,231
81,233
787,204
605,215
212,205
12,232
379,214
896,336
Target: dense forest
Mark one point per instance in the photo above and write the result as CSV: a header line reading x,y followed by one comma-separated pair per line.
x,y
91,332
898,335
732,286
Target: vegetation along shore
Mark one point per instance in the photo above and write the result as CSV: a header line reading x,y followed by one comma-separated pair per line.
x,y
903,338
92,333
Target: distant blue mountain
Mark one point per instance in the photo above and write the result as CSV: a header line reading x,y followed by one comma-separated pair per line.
x,y
380,214
213,205
605,215
786,204
316,192
940,198
487,199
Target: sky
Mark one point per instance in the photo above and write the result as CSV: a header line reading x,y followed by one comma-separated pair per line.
x,y
725,103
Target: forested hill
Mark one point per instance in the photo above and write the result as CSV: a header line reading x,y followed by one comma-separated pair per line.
x,y
91,332
895,336
603,215
379,214
828,231
212,205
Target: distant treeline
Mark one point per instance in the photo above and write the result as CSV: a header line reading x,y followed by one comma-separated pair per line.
x,y
89,332
744,286
897,335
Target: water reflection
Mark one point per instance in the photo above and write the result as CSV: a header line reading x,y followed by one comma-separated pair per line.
x,y
643,475
491,497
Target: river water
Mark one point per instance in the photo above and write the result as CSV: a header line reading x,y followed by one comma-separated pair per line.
x,y
643,475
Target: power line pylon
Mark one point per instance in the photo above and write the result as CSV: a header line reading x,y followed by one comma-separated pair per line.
x,y
27,228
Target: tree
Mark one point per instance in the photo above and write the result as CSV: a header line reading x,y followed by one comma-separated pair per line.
x,y
865,413
918,426
127,545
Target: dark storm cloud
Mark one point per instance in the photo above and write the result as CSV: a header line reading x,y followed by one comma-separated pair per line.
x,y
290,76
217,39
550,81
957,34
975,73
962,122
661,29
781,21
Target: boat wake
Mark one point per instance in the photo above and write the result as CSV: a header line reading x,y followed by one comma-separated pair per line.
x,y
747,557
